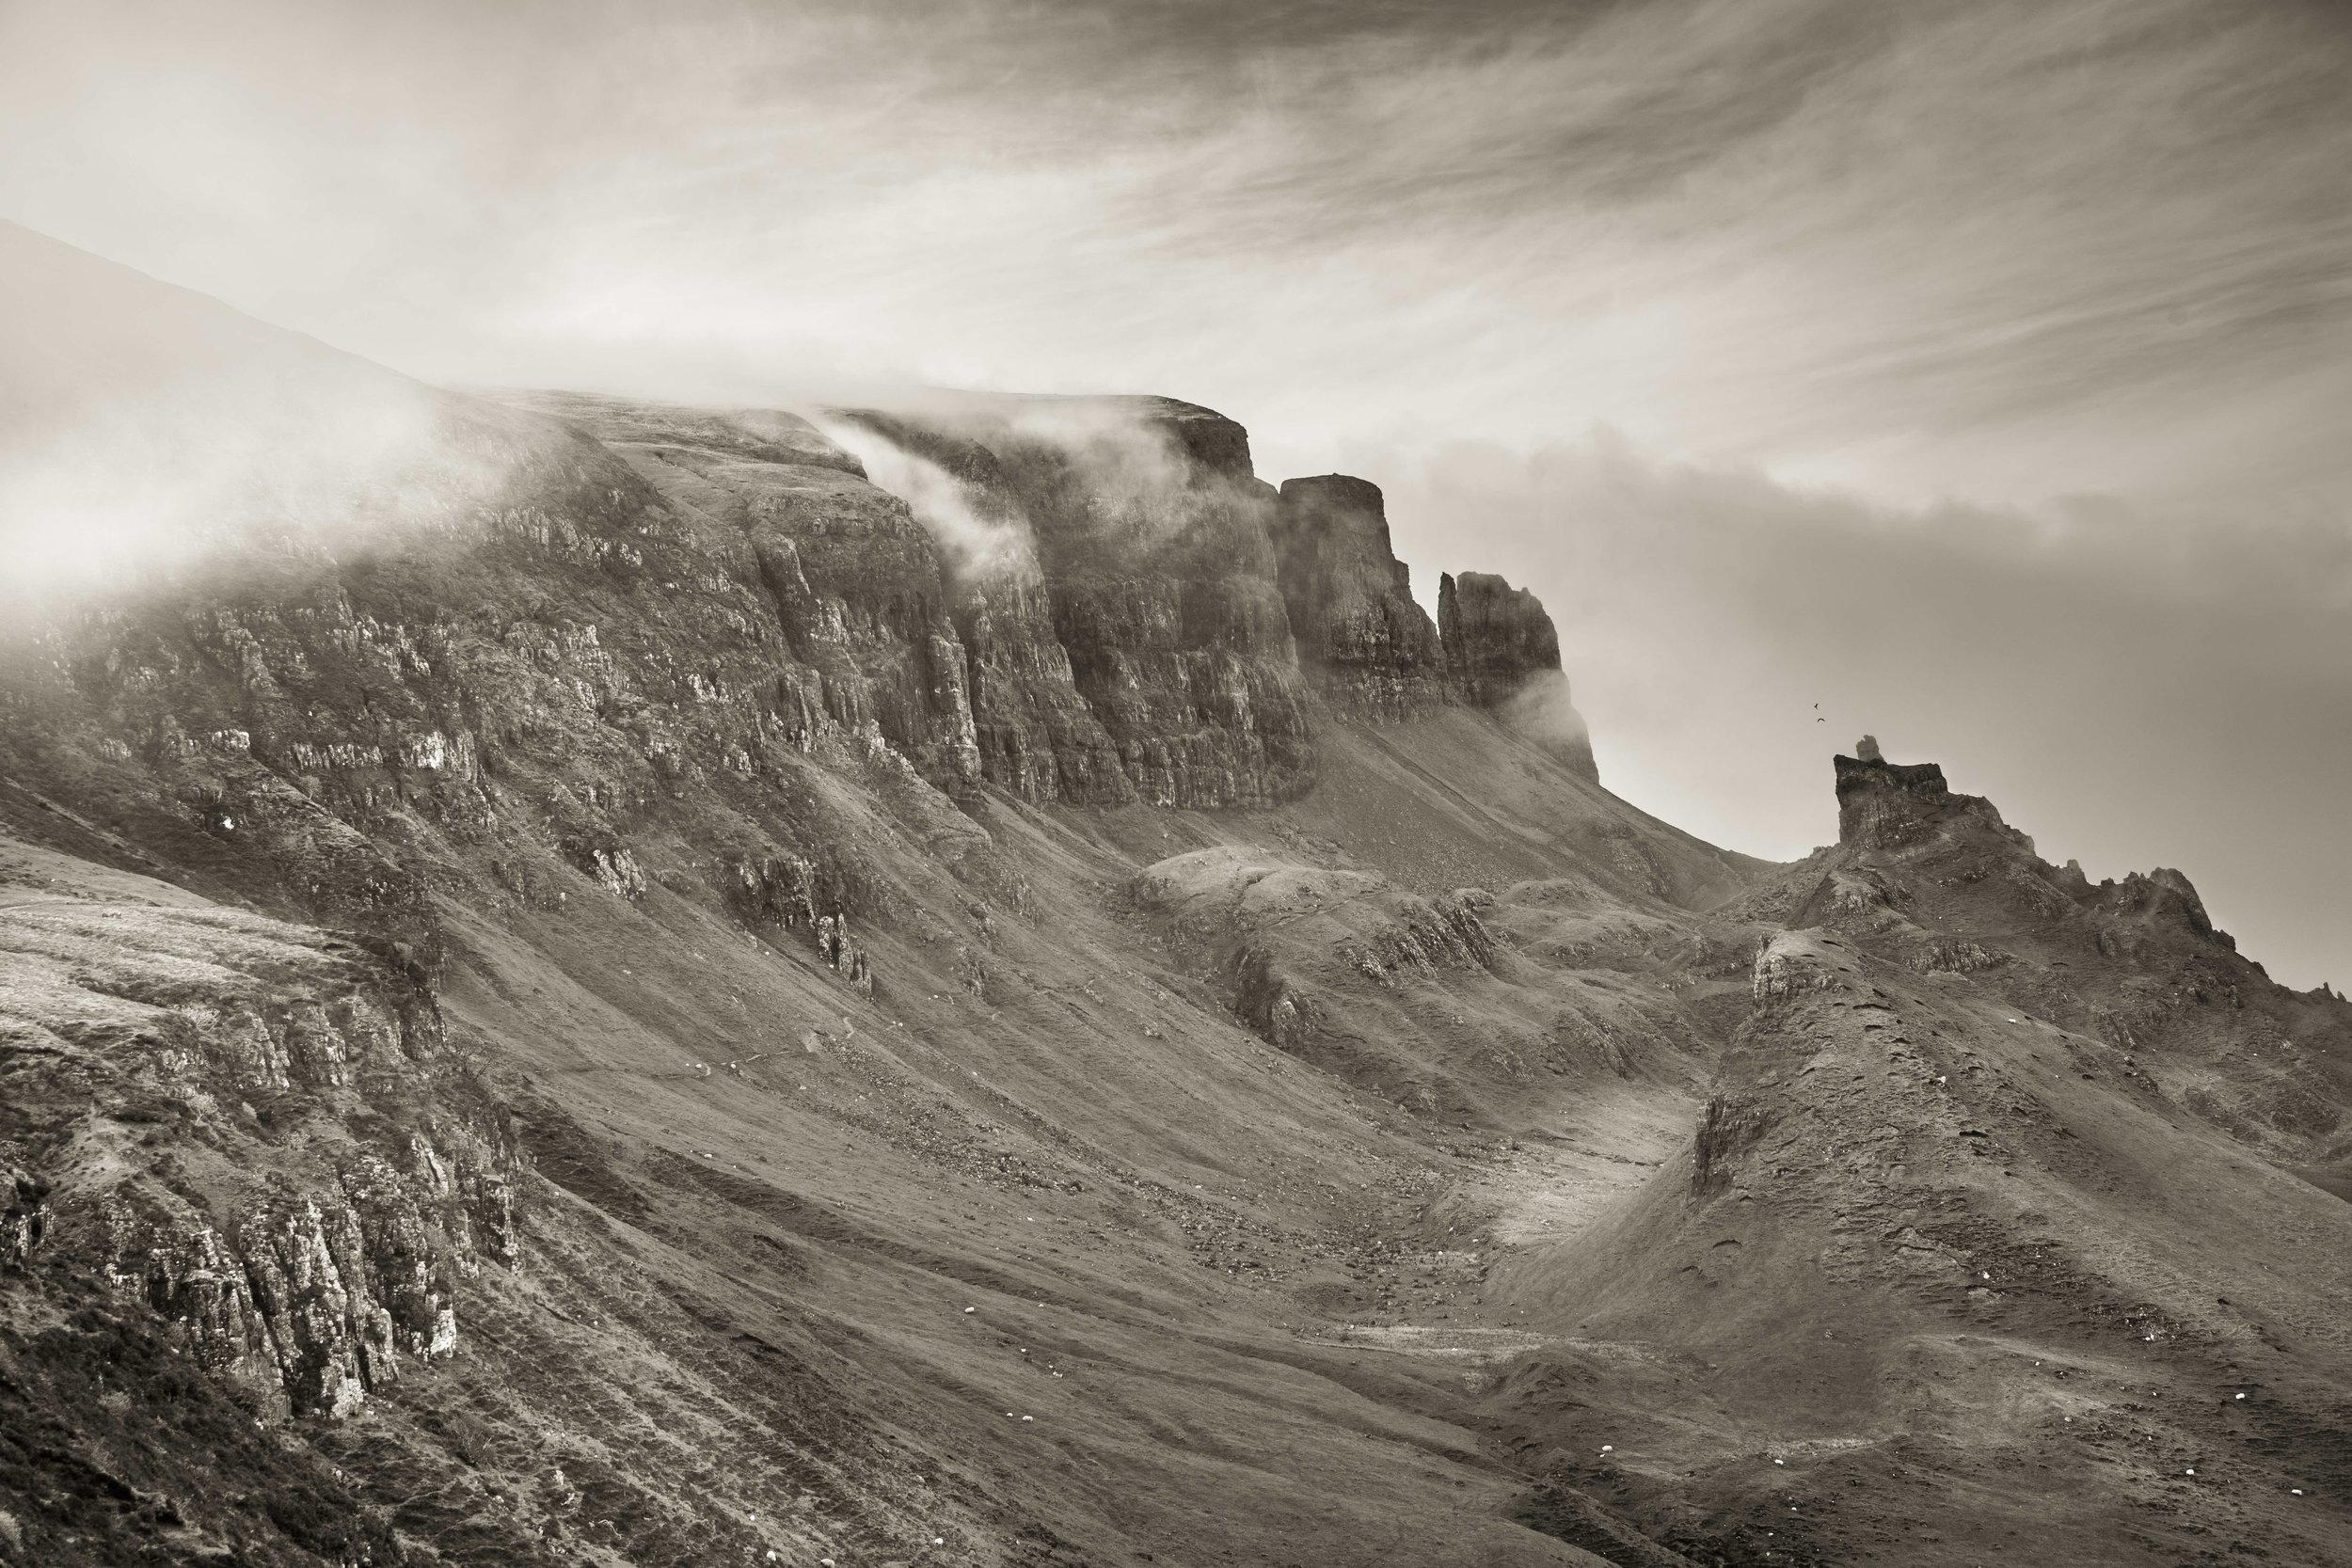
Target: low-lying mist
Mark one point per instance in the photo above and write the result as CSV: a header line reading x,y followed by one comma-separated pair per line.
x,y
143,428
1112,471
983,537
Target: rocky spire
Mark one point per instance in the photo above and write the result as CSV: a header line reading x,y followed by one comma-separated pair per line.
x,y
1882,804
1369,644
1497,637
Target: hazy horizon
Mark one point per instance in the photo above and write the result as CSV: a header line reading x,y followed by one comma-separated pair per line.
x,y
1974,374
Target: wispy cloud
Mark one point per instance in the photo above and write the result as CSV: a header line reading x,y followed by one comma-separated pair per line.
x,y
142,428
1999,247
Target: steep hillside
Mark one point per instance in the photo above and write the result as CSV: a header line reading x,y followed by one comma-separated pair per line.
x,y
1988,1243
973,984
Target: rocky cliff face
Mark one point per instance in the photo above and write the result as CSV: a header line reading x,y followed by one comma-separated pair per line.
x,y
1372,651
1371,647
1150,540
1497,637
558,1026
1503,654
1883,805
331,1170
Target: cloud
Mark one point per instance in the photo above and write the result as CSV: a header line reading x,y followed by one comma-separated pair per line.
x,y
142,428
983,541
1996,249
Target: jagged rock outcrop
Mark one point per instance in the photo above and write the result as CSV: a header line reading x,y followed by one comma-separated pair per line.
x,y
1371,647
1497,637
1503,654
1884,806
1373,652
856,583
1936,882
1728,1126
26,1220
311,1299
572,756
301,1250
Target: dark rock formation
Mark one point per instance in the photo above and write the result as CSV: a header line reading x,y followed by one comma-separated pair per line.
x,y
1730,1126
1497,637
1372,649
1503,654
1152,545
1936,882
602,771
306,1257
855,582
1886,805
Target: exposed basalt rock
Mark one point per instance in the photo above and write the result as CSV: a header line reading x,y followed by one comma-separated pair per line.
x,y
1154,549
1209,440
1957,957
2162,897
1796,964
1372,651
613,868
1371,647
1429,934
1271,1003
300,1250
1497,637
1503,654
855,579
841,952
776,891
1923,876
310,1299
1884,806
26,1220
1037,737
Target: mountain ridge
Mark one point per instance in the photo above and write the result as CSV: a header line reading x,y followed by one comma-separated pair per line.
x,y
656,1001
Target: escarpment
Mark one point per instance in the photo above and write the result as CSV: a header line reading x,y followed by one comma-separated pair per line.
x,y
1372,647
1503,654
1142,582
1497,637
1373,650
586,1012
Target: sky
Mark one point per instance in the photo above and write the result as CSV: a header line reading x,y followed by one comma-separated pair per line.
x,y
1976,370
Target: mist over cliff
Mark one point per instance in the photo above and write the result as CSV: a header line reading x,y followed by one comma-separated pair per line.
x,y
961,977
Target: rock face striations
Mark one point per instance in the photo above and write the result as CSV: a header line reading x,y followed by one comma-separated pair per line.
x,y
1497,637
1370,645
1374,652
1884,805
1503,656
